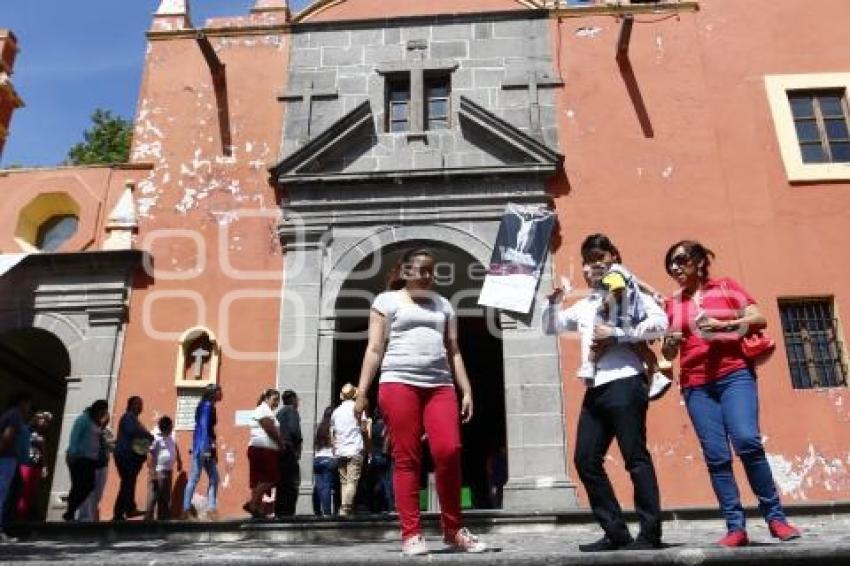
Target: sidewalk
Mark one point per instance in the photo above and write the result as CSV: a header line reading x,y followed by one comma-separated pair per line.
x,y
515,540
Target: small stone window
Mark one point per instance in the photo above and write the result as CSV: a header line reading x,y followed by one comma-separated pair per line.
x,y
437,93
398,103
55,231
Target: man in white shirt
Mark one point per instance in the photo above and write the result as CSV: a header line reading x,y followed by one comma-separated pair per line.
x,y
614,405
348,447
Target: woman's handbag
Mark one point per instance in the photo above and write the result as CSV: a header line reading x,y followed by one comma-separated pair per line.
x,y
757,346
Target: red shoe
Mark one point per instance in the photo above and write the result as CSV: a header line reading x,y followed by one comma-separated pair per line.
x,y
782,530
734,539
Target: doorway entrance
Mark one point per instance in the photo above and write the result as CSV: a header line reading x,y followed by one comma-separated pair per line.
x,y
458,277
35,361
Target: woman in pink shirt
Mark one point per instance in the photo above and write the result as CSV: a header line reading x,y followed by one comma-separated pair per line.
x,y
707,318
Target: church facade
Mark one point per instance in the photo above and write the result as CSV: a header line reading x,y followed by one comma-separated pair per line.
x,y
282,161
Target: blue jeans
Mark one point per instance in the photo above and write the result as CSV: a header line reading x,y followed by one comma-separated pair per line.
x,y
208,464
8,467
324,469
723,411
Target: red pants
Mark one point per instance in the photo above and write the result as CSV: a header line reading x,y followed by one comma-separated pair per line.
x,y
408,411
31,476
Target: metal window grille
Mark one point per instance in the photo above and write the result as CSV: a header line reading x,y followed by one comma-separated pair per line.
x,y
812,342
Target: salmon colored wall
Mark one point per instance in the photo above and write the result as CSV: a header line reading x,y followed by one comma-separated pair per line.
x,y
371,9
712,171
96,191
227,212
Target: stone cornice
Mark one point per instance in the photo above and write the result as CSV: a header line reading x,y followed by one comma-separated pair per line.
x,y
219,32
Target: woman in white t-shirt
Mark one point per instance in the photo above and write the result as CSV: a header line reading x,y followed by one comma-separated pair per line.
x,y
263,450
413,338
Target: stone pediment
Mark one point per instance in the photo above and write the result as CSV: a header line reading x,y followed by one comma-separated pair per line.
x,y
352,149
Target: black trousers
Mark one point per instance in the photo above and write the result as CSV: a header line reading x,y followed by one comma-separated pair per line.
x,y
287,487
83,472
128,471
618,410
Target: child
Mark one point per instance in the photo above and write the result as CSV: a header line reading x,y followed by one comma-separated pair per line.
x,y
623,309
163,456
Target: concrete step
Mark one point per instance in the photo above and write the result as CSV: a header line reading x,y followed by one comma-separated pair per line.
x,y
308,529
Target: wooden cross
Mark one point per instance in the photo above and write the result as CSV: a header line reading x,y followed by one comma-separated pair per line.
x,y
533,82
309,94
199,356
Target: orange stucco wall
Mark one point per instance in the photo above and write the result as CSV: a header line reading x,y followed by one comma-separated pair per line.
x,y
96,191
712,171
209,222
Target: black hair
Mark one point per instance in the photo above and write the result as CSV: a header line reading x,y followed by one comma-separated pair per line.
x,y
395,281
268,393
696,251
323,431
288,397
210,392
132,400
599,242
165,423
98,407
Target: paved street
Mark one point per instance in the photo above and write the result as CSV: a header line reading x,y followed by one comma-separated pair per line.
x,y
826,541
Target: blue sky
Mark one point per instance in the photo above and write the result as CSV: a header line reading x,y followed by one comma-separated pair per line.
x,y
78,56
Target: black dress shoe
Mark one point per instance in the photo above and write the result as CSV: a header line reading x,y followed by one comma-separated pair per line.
x,y
604,544
641,543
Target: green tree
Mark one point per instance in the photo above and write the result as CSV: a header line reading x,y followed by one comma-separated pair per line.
x,y
106,141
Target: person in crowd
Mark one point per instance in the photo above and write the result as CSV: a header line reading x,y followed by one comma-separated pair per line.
x,y
324,466
131,451
82,455
380,465
14,442
263,451
413,339
708,317
615,403
89,510
164,457
286,494
16,488
204,454
348,447
35,468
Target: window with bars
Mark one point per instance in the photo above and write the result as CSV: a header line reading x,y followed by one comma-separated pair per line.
x,y
437,91
398,103
812,342
822,124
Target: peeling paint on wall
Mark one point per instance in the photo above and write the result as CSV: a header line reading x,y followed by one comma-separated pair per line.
x,y
793,476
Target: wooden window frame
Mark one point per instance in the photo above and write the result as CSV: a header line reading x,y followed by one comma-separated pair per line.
x,y
391,81
778,87
820,120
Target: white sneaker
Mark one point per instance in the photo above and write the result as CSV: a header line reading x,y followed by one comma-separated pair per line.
x,y
465,541
7,539
414,546
659,385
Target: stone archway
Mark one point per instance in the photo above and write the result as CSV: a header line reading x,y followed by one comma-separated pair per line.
x,y
80,301
320,266
35,361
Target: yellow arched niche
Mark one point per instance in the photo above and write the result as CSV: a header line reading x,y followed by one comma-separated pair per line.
x,y
184,373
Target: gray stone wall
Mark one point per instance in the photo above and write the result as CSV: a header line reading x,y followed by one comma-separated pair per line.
x,y
488,51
